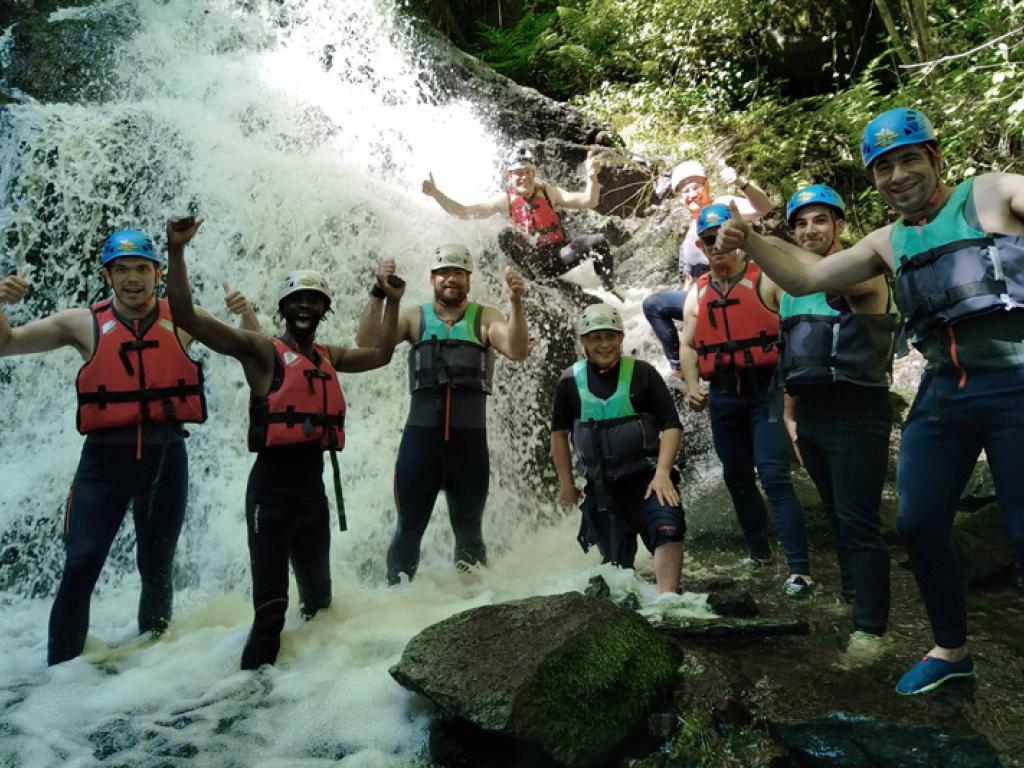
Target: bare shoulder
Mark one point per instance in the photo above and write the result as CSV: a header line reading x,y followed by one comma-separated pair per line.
x,y
999,202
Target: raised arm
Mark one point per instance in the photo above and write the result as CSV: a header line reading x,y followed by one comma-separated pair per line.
x,y
251,349
834,274
760,203
71,327
509,336
591,194
497,204
382,345
370,321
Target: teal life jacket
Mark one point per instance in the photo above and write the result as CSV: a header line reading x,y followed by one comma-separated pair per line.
x,y
451,355
821,344
949,271
611,440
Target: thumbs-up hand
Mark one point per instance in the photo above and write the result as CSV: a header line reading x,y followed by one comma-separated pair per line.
x,y
514,285
734,231
236,300
14,287
428,187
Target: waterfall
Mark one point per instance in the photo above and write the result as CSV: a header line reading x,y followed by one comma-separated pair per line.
x,y
301,130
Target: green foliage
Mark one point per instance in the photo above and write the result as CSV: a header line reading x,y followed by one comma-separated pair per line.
x,y
708,79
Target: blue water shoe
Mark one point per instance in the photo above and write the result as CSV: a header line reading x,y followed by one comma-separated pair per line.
x,y
930,673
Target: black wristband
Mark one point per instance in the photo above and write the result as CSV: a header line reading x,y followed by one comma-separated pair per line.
x,y
744,185
377,292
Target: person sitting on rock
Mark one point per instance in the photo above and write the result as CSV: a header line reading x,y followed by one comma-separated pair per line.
x,y
665,308
535,241
625,434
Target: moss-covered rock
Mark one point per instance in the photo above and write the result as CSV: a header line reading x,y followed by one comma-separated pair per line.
x,y
564,680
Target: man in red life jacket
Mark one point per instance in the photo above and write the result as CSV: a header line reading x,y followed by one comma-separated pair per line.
x,y
135,390
444,443
690,183
297,411
536,241
730,339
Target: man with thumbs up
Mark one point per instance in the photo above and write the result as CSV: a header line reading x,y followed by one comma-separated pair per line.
x,y
535,241
135,390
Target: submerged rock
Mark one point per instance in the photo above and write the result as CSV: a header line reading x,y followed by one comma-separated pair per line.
x,y
558,680
731,628
735,603
841,741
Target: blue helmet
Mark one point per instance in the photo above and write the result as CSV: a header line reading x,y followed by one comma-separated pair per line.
x,y
820,194
129,242
712,216
892,129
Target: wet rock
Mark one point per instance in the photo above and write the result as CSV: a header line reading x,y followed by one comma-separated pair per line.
x,y
729,628
842,741
65,59
981,543
630,602
980,489
566,679
735,603
598,588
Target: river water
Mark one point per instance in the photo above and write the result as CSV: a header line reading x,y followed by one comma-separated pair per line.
x,y
301,130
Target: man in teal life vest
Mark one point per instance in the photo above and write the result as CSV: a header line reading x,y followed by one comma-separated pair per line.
x,y
730,340
296,413
135,390
836,363
536,242
625,434
958,257
444,443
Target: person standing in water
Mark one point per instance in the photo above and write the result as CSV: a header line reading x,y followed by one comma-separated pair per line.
x,y
296,412
136,389
444,443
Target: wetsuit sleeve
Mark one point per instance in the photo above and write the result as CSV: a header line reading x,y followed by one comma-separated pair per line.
x,y
650,395
566,407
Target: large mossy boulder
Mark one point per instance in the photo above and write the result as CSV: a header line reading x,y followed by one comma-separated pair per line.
x,y
562,680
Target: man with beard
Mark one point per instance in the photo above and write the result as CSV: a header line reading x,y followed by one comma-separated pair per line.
x,y
297,411
730,339
836,361
536,241
958,257
691,186
135,390
444,444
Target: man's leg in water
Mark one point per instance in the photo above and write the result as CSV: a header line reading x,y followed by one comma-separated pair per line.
x,y
96,506
158,510
309,554
270,531
467,478
418,476
596,246
662,310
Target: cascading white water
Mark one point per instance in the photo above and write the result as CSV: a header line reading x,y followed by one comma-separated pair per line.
x,y
301,130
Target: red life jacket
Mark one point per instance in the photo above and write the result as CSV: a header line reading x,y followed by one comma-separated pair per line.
x,y
307,407
131,379
536,216
734,330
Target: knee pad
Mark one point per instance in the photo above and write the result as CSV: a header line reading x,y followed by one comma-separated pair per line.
x,y
666,533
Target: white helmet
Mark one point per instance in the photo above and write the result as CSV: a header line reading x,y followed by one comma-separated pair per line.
x,y
686,170
519,158
452,255
303,280
599,317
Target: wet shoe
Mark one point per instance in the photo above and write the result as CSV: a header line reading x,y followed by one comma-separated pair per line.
x,y
929,673
797,587
756,563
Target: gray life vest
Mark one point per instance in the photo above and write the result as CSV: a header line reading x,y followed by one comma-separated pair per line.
x,y
451,355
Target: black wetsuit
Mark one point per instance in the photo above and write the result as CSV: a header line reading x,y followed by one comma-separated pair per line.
x,y
288,520
109,476
439,453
